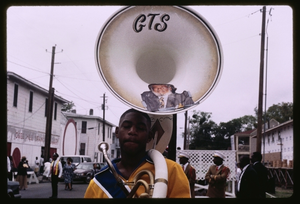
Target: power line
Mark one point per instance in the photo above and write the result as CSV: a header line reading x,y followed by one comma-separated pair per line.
x,y
252,36
28,67
238,18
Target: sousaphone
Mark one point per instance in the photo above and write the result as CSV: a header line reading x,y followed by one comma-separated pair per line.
x,y
161,60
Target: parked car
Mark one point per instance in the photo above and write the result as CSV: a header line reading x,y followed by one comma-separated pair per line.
x,y
13,189
77,159
85,171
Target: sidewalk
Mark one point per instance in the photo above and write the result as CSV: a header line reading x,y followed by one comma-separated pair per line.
x,y
43,190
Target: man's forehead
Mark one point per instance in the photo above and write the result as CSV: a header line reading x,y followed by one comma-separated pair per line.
x,y
133,116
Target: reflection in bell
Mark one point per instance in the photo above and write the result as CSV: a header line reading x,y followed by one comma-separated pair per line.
x,y
162,97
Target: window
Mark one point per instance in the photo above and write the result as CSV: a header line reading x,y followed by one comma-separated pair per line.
x,y
30,101
15,102
83,126
55,111
82,149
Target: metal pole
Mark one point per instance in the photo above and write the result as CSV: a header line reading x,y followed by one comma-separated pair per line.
x,y
261,82
185,130
103,108
172,143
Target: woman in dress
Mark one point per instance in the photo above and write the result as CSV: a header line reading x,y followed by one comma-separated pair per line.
x,y
68,173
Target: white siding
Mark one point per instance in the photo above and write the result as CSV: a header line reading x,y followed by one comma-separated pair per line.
x,y
26,130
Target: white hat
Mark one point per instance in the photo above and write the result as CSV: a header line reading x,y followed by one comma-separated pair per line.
x,y
183,154
219,154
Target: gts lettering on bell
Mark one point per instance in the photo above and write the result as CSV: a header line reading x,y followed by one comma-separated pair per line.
x,y
140,22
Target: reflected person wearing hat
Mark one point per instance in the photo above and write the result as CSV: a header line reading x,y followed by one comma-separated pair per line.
x,y
189,171
217,176
56,172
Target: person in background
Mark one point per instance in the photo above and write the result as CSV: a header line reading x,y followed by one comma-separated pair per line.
x,y
262,173
37,165
189,171
68,170
47,169
248,181
22,173
56,172
42,164
8,169
96,169
217,176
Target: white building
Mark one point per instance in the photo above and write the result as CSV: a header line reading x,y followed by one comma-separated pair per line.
x,y
26,119
278,142
276,145
89,130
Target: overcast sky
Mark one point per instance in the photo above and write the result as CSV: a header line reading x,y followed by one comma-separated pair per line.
x,y
33,30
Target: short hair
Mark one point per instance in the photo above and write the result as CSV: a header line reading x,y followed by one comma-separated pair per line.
x,y
245,159
257,155
145,115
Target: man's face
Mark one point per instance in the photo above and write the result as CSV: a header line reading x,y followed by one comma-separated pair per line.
x,y
54,157
217,161
133,133
183,160
160,89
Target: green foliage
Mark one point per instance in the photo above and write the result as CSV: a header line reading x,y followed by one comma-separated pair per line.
x,y
67,107
207,135
281,112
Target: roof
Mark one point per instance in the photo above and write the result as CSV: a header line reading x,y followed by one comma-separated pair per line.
x,y
289,122
34,86
81,116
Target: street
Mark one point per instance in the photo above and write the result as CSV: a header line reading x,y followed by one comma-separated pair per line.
x,y
43,190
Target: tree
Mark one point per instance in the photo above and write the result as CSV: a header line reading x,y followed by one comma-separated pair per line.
x,y
281,112
202,129
206,134
68,107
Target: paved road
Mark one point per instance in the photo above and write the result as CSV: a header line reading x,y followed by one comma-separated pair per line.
x,y
43,190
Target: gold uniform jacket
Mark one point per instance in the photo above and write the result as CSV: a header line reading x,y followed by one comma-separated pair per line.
x,y
104,185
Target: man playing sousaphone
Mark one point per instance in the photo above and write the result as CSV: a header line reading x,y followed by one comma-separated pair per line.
x,y
217,176
134,134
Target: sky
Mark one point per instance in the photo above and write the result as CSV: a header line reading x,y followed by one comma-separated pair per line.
x,y
73,30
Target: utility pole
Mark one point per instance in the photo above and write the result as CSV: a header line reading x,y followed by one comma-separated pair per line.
x,y
173,143
261,81
185,130
49,111
103,133
103,108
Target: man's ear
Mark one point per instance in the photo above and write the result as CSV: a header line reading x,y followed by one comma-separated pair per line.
x,y
117,132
